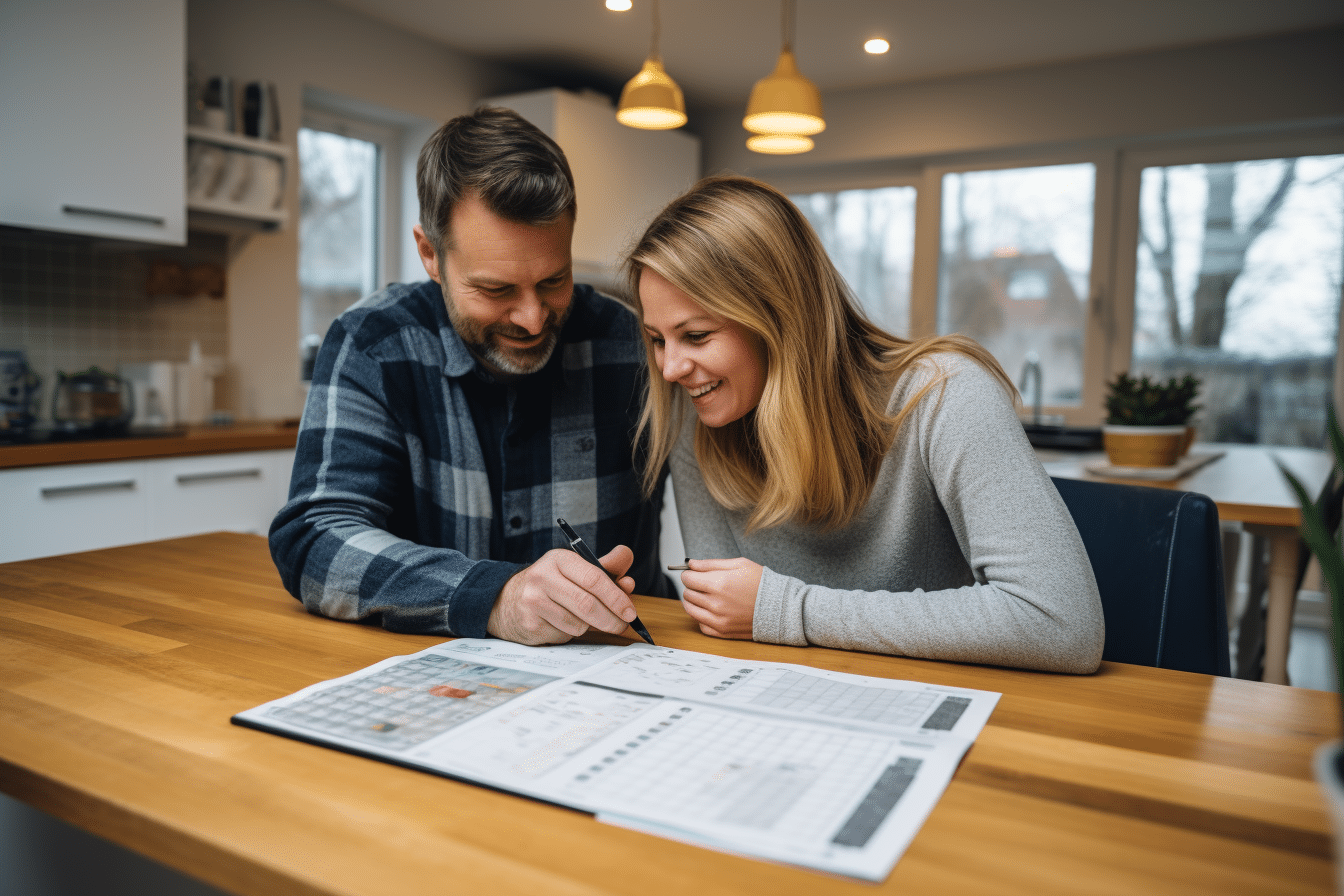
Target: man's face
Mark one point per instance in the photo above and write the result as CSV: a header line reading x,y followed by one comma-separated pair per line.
x,y
508,286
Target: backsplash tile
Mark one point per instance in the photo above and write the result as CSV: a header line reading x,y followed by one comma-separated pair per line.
x,y
71,302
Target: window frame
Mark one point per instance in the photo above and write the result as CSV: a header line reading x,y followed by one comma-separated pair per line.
x,y
1132,164
1109,337
387,210
812,182
924,296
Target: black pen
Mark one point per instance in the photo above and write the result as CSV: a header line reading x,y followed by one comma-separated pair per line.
x,y
582,549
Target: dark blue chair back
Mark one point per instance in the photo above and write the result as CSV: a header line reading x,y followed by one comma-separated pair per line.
x,y
1158,558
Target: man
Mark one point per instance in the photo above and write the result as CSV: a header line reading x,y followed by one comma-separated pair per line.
x,y
449,423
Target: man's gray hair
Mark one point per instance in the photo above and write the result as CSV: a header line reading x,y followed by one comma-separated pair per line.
x,y
519,173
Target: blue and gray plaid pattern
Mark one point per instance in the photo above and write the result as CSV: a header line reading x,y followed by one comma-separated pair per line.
x,y
390,513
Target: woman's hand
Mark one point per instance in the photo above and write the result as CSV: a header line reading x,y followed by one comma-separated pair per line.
x,y
721,596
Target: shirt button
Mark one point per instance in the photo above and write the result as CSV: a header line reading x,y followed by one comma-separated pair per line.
x,y
516,522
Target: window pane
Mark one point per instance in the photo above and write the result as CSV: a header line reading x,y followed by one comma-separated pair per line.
x,y
1238,282
338,229
870,236
1014,270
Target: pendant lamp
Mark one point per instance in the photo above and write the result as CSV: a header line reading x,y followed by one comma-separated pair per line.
x,y
652,100
784,103
779,144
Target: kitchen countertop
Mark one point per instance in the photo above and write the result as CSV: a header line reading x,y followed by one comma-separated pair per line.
x,y
180,442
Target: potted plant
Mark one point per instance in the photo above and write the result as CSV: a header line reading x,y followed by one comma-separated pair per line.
x,y
1326,546
1147,421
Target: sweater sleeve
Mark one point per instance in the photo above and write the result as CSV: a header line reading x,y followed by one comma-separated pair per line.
x,y
1032,601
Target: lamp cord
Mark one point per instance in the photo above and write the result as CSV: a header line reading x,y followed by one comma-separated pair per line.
x,y
786,23
657,26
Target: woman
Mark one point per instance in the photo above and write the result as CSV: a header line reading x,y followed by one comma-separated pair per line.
x,y
839,485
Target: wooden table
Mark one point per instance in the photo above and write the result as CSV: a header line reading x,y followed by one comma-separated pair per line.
x,y
119,670
1248,488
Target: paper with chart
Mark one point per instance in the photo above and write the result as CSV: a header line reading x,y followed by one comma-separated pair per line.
x,y
784,762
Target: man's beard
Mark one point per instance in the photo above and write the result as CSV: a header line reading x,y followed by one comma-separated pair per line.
x,y
482,342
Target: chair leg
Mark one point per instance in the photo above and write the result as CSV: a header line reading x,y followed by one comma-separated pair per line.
x,y
1279,604
1231,548
1251,629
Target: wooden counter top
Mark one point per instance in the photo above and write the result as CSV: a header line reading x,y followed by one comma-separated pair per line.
x,y
256,436
120,669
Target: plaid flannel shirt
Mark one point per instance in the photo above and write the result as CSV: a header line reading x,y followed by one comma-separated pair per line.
x,y
391,514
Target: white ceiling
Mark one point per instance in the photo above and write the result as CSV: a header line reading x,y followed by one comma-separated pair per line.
x,y
716,49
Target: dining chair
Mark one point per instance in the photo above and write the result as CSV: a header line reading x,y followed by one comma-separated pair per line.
x,y
1157,556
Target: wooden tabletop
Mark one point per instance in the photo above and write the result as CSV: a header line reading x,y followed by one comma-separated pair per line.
x,y
1245,482
120,669
182,442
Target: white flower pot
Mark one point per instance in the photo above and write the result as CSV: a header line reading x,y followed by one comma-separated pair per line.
x,y
1328,774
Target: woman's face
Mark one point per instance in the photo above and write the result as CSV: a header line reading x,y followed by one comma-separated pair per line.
x,y
719,362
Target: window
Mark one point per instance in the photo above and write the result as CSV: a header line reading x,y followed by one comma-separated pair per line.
x,y
870,236
1015,265
1221,258
344,209
1238,282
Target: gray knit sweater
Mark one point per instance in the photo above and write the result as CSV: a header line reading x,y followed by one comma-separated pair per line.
x,y
963,552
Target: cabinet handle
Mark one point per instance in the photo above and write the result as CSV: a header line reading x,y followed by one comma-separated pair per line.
x,y
110,213
188,478
55,491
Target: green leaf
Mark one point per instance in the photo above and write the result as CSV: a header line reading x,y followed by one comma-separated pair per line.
x,y
1324,544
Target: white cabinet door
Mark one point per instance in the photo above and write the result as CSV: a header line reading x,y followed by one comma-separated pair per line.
x,y
238,492
92,100
75,507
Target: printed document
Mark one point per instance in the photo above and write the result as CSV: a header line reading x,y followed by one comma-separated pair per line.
x,y
772,760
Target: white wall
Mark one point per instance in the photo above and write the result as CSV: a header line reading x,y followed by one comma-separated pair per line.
x,y
1245,86
312,43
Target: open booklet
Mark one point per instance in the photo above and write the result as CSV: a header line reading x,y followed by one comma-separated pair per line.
x,y
799,765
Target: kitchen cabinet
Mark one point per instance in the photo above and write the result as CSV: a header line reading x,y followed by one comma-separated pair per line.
x,y
623,176
236,492
83,507
80,507
92,97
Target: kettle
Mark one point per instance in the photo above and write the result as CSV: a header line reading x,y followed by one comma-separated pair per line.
x,y
93,402
18,394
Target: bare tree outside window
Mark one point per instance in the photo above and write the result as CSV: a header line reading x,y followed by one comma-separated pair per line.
x,y
338,245
870,236
1239,278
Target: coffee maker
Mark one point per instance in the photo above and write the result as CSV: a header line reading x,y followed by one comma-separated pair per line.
x,y
19,387
91,403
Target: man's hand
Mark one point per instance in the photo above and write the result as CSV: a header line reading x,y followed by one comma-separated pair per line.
x,y
720,595
561,596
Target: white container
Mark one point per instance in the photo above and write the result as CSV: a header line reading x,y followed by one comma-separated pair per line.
x,y
155,388
194,386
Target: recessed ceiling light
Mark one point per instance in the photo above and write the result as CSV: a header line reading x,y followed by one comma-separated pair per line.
x,y
618,5
876,46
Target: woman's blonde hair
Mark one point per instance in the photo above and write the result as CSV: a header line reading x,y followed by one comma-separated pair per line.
x,y
812,448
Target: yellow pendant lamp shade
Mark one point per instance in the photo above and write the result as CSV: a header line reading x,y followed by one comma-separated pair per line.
x,y
784,102
779,144
651,100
